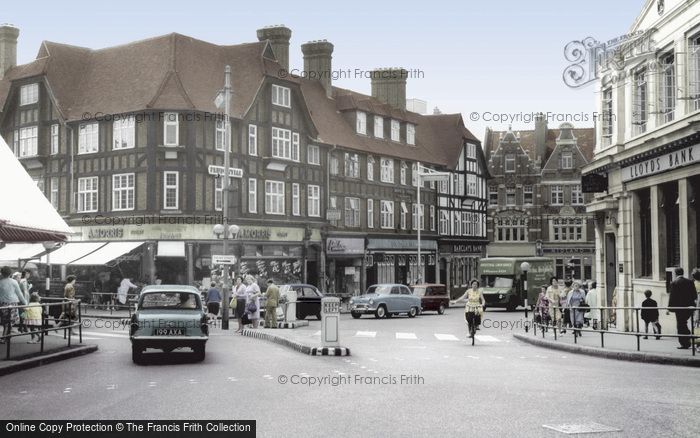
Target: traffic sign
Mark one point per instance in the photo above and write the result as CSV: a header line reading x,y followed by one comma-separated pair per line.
x,y
219,171
223,260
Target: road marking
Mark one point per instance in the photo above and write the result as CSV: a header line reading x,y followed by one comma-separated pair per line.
x,y
497,357
398,358
446,337
112,386
406,336
192,382
24,392
363,367
318,333
373,360
107,335
67,390
361,334
152,384
473,357
232,379
487,338
267,376
523,357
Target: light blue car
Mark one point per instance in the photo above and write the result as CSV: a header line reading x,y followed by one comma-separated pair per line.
x,y
168,317
385,301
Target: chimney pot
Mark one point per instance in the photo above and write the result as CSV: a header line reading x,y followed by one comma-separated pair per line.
x,y
318,57
389,86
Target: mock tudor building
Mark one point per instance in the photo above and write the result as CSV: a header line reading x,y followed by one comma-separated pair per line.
x,y
536,205
646,168
128,145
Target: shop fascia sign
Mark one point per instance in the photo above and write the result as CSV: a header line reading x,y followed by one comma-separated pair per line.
x,y
670,161
337,245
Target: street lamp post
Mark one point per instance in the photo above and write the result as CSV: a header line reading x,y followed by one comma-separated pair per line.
x,y
225,231
421,177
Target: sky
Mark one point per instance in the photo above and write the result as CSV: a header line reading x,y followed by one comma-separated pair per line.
x,y
478,58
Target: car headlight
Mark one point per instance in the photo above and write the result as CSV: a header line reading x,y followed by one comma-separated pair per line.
x,y
371,302
500,296
352,300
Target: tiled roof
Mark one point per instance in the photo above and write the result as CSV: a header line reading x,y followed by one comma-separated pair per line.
x,y
585,139
177,72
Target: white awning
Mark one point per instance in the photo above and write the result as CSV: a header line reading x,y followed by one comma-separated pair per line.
x,y
171,249
25,213
20,251
107,253
71,251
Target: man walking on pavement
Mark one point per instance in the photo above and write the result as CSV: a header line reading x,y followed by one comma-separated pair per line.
x,y
683,294
273,295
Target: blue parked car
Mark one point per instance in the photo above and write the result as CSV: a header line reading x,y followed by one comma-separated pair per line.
x,y
168,317
385,301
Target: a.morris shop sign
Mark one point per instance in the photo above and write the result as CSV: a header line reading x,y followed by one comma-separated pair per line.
x,y
670,161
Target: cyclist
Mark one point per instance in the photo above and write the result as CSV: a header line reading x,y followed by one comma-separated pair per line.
x,y
474,306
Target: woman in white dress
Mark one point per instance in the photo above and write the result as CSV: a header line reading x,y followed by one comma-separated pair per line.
x,y
252,296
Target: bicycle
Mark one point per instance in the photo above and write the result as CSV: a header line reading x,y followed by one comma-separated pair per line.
x,y
472,318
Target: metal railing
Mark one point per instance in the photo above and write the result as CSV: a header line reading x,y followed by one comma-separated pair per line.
x,y
100,302
65,322
562,325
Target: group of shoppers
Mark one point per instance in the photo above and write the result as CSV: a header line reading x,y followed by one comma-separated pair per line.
x,y
245,302
569,303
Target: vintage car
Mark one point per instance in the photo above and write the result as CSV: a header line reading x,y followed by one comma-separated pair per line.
x,y
385,301
433,297
308,301
168,317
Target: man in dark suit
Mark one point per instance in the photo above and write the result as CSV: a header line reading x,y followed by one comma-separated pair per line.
x,y
683,294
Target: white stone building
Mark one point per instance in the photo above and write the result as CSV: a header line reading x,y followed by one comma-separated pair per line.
x,y
647,158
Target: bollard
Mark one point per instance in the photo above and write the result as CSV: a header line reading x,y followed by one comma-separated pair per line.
x,y
290,310
330,321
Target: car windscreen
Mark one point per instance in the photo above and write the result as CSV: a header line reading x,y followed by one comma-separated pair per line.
x,y
419,291
496,281
379,289
169,300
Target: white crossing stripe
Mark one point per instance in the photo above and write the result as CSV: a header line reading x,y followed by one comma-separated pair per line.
x,y
487,338
361,334
107,335
406,336
446,337
318,333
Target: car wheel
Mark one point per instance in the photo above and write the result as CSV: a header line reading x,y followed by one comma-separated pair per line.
x,y
199,352
413,312
137,354
355,315
380,312
441,309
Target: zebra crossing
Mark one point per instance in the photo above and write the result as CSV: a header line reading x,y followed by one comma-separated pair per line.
x,y
409,336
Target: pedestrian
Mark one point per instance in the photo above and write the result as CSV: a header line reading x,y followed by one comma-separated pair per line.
x,y
542,308
69,308
33,317
252,304
10,296
18,277
566,313
213,300
574,298
273,295
123,291
592,301
683,294
650,315
238,302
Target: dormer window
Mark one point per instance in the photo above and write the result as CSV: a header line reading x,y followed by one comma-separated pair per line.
x,y
395,130
281,96
28,94
567,160
410,133
361,125
510,163
378,126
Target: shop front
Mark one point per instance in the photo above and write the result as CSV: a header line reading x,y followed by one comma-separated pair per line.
x,y
459,263
345,265
396,261
574,261
182,254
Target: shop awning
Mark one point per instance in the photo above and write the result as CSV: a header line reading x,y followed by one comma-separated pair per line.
x,y
25,213
107,253
171,249
71,251
20,251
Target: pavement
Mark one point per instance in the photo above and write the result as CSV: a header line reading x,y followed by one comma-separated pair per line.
x,y
616,346
405,378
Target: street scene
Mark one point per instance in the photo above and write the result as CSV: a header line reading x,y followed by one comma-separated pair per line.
x,y
212,225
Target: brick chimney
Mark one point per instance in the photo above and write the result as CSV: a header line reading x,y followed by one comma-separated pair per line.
x,y
389,86
278,36
540,137
8,48
318,62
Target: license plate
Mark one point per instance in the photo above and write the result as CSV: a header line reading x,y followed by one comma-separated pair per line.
x,y
360,306
169,332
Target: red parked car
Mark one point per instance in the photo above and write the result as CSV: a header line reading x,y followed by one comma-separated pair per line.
x,y
433,297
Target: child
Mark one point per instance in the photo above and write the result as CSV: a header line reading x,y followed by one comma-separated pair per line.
x,y
33,317
543,308
650,315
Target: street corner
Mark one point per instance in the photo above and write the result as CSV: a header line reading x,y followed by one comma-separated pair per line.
x,y
36,360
